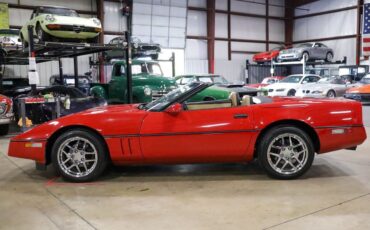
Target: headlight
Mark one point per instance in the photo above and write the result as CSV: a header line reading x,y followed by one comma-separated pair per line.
x,y
135,45
317,92
96,21
280,90
147,91
49,18
6,39
2,108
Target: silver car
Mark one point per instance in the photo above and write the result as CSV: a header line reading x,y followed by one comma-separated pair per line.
x,y
308,52
334,86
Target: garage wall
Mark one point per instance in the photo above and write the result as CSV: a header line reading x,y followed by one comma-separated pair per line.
x,y
18,17
336,24
242,27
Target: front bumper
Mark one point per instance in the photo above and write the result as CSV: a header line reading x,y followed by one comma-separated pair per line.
x,y
73,32
274,93
6,119
289,56
299,93
28,149
364,98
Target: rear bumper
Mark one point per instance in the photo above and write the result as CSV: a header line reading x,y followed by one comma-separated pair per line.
x,y
340,137
34,150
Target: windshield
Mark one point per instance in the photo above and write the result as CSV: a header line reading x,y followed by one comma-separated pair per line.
x,y
149,68
277,48
213,79
304,45
366,79
269,81
167,99
292,79
58,11
10,32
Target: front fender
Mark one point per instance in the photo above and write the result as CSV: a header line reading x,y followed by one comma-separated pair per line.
x,y
139,96
99,92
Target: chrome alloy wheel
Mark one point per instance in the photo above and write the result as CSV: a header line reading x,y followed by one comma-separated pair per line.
x,y
77,157
287,154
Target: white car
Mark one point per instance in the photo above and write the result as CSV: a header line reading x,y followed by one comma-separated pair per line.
x,y
9,39
289,85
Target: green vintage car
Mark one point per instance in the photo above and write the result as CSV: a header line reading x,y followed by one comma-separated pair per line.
x,y
59,23
148,83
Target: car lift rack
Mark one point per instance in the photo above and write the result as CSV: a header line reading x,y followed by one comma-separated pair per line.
x,y
256,72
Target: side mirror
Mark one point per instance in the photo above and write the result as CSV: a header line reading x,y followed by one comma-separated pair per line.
x,y
304,82
174,109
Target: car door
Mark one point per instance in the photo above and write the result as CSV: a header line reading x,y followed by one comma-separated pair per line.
x,y
315,51
117,84
208,135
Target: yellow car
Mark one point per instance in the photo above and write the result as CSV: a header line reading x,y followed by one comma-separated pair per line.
x,y
51,23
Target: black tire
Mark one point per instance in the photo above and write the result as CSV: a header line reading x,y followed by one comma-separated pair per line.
x,y
4,129
102,158
24,42
42,36
291,93
270,137
329,57
154,56
305,56
331,94
94,40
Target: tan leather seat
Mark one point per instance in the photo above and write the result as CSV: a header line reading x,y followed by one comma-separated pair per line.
x,y
246,100
234,99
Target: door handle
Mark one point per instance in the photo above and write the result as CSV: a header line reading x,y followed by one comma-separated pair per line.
x,y
240,116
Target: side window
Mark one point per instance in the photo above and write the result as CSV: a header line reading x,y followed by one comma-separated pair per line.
x,y
119,70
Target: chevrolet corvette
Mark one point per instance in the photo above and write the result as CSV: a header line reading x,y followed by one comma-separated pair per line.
x,y
283,134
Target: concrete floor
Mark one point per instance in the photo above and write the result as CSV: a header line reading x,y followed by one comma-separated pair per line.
x,y
334,194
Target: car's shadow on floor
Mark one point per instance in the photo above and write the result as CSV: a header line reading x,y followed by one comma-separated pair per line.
x,y
322,168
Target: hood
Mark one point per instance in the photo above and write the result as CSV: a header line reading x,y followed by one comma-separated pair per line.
x,y
280,85
256,85
78,21
103,119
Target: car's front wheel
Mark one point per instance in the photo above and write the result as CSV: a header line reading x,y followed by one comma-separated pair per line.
x,y
286,152
79,155
41,35
4,129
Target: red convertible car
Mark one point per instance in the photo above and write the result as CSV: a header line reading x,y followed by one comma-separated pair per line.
x,y
282,133
269,55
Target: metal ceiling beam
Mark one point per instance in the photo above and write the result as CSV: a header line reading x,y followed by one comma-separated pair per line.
x,y
297,3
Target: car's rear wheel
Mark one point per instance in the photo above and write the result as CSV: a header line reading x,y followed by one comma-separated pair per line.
x,y
331,94
291,93
329,57
286,152
79,155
